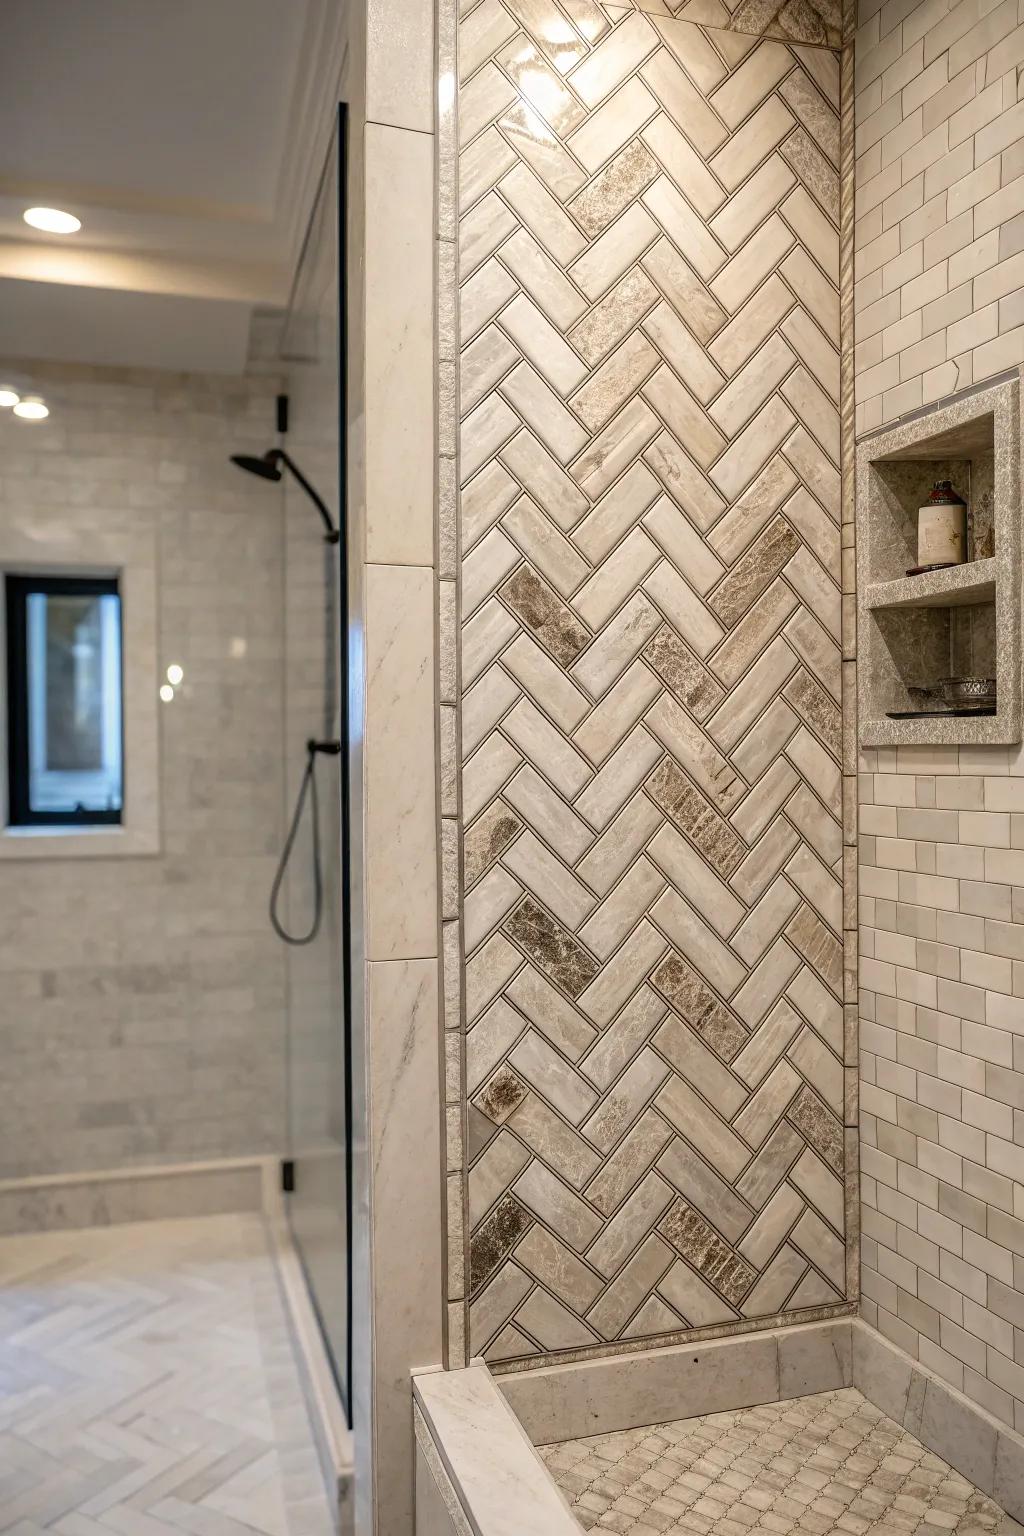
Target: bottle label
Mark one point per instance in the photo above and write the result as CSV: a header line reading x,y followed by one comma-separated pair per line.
x,y
941,535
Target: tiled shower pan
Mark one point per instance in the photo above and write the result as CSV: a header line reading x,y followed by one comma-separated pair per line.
x,y
829,1462
820,1429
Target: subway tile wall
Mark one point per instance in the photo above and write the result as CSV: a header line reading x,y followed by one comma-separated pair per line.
x,y
651,730
940,200
938,298
141,999
942,1062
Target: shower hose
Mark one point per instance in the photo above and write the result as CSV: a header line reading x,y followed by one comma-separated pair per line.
x,y
308,788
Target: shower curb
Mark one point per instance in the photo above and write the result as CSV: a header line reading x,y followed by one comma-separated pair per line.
x,y
471,1425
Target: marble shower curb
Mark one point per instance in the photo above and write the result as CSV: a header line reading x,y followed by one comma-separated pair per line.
x,y
112,1197
485,1471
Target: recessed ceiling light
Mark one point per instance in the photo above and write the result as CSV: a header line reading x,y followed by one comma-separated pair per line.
x,y
175,674
53,220
32,409
8,397
166,693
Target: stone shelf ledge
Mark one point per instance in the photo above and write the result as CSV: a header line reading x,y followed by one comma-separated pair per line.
x,y
956,587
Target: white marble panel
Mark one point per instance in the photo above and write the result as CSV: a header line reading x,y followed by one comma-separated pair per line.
x,y
399,339
405,1158
400,794
400,71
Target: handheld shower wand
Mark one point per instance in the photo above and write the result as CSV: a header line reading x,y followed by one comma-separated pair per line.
x,y
307,787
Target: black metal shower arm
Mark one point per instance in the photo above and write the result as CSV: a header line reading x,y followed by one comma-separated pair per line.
x,y
279,456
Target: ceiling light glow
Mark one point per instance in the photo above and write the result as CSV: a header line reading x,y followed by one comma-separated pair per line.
x,y
8,397
167,693
52,221
175,674
32,409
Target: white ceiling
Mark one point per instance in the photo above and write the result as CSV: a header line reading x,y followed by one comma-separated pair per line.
x,y
187,136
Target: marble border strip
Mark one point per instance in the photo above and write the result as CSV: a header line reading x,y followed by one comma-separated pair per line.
x,y
452,1045
981,1448
595,1397
495,1473
112,1197
848,504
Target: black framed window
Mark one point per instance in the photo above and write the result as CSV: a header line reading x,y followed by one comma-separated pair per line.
x,y
65,730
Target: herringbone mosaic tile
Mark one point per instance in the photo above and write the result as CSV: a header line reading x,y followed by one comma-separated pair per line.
x,y
149,1386
828,1463
651,707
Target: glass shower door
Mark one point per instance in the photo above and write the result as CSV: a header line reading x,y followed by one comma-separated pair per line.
x,y
315,612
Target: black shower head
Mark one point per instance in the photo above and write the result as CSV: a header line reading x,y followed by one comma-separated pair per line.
x,y
266,467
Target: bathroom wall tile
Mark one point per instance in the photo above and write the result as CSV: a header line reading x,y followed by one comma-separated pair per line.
x,y
652,738
950,143
401,838
399,341
143,999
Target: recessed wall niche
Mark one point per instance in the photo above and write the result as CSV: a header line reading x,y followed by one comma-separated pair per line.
x,y
963,621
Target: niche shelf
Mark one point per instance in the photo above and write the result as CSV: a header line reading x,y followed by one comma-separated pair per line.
x,y
962,621
960,586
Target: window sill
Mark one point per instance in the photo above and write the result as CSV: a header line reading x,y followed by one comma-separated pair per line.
x,y
77,843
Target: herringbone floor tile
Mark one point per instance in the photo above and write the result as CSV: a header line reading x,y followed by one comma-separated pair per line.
x,y
828,1463
148,1386
652,726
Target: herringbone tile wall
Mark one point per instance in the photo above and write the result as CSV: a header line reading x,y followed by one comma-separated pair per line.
x,y
651,722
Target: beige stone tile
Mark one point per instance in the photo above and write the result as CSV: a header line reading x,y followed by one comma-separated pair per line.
x,y
680,349
614,59
538,340
753,262
614,448
614,123
690,173
758,196
684,227
608,389
683,103
544,546
543,412
756,380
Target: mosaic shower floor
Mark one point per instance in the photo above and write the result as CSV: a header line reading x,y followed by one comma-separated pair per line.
x,y
831,1462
